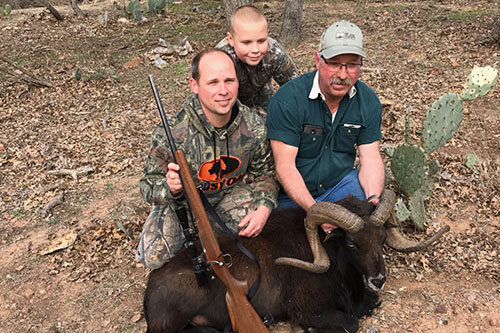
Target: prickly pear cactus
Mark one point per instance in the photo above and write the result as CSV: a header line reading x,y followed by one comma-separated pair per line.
x,y
417,210
6,9
408,166
442,121
156,6
479,82
134,7
412,169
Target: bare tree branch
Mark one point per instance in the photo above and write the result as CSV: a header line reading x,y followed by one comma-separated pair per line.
x,y
54,202
73,173
28,77
76,9
51,8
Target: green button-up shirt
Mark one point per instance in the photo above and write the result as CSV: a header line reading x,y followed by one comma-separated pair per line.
x,y
327,150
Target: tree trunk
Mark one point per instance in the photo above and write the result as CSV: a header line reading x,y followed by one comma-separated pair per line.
x,y
77,9
495,33
230,6
292,23
51,8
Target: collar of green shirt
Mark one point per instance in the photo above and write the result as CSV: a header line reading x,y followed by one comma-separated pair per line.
x,y
315,91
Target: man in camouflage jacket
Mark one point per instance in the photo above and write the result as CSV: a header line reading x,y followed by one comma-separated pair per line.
x,y
228,153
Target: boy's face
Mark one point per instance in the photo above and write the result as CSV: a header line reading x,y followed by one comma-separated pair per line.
x,y
249,40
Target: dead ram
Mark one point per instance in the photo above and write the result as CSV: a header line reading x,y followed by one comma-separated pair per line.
x,y
332,285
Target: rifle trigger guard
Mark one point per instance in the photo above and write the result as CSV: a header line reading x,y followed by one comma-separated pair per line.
x,y
228,262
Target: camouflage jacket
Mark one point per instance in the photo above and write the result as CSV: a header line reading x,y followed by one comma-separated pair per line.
x,y
255,81
219,158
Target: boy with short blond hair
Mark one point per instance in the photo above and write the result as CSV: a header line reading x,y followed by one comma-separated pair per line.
x,y
258,57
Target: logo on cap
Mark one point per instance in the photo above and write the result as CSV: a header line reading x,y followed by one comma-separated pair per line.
x,y
345,35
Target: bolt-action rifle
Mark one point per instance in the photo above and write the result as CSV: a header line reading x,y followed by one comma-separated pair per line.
x,y
244,318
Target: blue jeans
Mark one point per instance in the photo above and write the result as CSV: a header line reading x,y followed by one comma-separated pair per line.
x,y
347,185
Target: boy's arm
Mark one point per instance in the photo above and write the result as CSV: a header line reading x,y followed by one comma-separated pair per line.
x,y
285,67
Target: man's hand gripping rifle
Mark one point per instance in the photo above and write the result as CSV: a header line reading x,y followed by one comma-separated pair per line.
x,y
244,318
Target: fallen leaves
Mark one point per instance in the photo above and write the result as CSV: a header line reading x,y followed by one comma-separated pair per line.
x,y
132,63
60,243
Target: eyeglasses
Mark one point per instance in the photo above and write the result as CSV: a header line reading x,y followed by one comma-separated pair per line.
x,y
351,68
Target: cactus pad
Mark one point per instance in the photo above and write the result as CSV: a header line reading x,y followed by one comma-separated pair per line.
x,y
402,213
7,8
408,166
427,187
417,210
479,82
441,121
433,167
471,161
134,7
156,6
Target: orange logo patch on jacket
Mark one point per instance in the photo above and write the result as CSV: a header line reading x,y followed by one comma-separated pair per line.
x,y
215,172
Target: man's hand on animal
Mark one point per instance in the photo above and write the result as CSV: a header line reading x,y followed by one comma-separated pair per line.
x,y
254,222
328,228
173,179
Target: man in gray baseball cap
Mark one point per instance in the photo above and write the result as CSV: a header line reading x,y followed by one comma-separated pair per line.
x,y
318,121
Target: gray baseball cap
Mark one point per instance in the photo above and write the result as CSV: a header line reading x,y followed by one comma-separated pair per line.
x,y
341,38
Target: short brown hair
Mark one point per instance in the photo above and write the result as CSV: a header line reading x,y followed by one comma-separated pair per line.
x,y
195,64
249,12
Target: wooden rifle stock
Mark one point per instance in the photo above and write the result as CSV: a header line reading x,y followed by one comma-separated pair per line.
x,y
244,318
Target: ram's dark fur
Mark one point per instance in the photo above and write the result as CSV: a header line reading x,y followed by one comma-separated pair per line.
x,y
331,301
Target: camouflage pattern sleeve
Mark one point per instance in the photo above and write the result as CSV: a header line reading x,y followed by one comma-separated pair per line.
x,y
285,67
261,169
153,185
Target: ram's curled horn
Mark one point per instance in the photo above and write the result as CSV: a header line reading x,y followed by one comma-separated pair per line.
x,y
395,239
400,243
384,207
319,213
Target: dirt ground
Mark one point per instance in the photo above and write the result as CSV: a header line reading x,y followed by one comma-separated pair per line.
x,y
93,114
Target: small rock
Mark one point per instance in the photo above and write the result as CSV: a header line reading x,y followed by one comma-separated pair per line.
x,y
443,321
372,329
493,322
440,308
28,293
135,318
160,63
123,20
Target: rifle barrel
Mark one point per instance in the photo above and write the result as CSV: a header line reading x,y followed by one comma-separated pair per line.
x,y
162,115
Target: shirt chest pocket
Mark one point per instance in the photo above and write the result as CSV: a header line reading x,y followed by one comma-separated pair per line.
x,y
345,138
311,140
